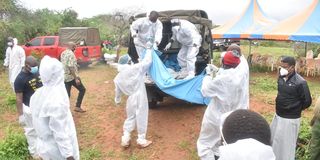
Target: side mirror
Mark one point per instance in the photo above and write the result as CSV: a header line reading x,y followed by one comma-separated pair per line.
x,y
28,44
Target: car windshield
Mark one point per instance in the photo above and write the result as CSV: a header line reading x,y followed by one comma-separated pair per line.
x,y
217,40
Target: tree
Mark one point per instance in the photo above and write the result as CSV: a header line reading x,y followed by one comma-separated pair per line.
x,y
121,26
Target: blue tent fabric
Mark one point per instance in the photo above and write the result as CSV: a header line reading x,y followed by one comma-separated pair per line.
x,y
188,90
309,32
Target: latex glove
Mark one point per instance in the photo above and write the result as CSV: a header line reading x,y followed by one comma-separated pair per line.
x,y
167,46
195,45
149,45
211,69
117,99
22,120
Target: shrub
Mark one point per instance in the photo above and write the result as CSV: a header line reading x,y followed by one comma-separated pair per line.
x,y
302,151
14,146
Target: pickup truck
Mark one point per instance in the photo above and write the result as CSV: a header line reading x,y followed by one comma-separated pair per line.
x,y
87,40
201,20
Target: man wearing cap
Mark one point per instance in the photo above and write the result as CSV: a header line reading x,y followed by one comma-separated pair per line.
x,y
226,91
71,77
188,36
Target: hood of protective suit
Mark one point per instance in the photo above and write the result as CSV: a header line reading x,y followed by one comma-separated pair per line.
x,y
51,72
246,149
15,41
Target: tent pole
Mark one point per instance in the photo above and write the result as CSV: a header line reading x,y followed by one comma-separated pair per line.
x,y
250,47
250,55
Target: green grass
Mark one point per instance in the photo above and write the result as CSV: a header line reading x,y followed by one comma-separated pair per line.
x,y
275,51
188,148
7,96
92,153
264,87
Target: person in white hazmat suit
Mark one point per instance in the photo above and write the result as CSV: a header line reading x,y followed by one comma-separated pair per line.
x,y
226,91
243,70
129,81
15,59
188,36
146,32
52,118
246,136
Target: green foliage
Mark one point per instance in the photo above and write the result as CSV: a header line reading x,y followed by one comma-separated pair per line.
x,y
11,100
302,152
25,24
91,154
14,146
264,84
259,69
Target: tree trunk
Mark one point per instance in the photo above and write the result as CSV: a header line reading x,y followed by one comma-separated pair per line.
x,y
118,50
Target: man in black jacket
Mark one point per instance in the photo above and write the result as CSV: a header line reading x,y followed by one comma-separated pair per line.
x,y
293,97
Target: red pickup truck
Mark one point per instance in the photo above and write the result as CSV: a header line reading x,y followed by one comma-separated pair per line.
x,y
87,40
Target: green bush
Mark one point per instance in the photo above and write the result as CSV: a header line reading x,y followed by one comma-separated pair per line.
x,y
302,151
14,146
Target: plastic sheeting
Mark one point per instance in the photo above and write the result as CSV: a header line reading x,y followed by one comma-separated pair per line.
x,y
188,90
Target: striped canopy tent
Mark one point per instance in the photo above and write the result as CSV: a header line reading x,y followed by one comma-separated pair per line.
x,y
304,26
250,24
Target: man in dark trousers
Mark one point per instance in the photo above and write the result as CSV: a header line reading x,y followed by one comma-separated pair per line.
x,y
71,77
293,97
26,83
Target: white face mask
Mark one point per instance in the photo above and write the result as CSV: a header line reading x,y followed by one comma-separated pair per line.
x,y
283,72
10,44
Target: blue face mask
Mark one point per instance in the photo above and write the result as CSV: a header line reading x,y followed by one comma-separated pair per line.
x,y
34,70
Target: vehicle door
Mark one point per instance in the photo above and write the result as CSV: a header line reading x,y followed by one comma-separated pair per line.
x,y
33,46
49,46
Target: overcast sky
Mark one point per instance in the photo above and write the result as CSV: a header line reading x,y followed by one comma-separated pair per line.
x,y
219,11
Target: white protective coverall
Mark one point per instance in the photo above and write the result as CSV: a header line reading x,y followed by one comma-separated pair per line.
x,y
226,91
246,149
130,81
51,114
147,34
29,130
15,59
188,36
243,70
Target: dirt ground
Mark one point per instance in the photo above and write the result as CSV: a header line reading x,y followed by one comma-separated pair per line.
x,y
173,127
